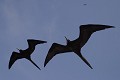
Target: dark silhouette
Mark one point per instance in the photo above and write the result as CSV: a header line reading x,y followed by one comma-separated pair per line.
x,y
75,45
85,4
25,53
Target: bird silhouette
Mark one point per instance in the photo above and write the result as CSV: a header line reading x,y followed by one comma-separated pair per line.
x,y
25,53
85,4
75,45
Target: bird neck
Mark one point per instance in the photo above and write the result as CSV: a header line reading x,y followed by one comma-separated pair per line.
x,y
68,41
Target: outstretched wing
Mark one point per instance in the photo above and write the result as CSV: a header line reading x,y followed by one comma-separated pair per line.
x,y
87,30
33,42
55,49
13,58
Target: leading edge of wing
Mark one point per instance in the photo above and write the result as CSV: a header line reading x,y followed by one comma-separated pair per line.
x,y
88,29
55,49
13,58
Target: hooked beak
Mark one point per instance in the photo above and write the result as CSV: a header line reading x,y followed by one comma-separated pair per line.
x,y
66,38
18,49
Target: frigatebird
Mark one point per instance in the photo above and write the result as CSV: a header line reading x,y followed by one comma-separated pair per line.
x,y
25,53
76,45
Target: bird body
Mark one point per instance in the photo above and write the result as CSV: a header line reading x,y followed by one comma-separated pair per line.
x,y
75,45
25,53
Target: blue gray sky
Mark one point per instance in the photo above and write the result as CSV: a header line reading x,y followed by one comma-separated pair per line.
x,y
51,20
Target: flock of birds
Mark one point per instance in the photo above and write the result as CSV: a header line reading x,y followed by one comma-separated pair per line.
x,y
71,46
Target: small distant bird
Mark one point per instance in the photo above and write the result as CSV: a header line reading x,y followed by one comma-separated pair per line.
x,y
75,45
25,53
84,4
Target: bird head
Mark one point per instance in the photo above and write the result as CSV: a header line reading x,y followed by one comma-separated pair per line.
x,y
20,50
67,40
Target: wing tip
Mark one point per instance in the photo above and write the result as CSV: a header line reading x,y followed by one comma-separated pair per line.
x,y
108,26
45,63
9,67
112,27
13,58
90,66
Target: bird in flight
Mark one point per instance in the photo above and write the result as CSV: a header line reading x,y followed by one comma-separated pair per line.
x,y
75,45
25,53
85,4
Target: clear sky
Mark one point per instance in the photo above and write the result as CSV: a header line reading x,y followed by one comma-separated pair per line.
x,y
51,20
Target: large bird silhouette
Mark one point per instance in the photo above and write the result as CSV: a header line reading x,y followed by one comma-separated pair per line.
x,y
25,53
76,45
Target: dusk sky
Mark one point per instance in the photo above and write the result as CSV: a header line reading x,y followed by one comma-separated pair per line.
x,y
51,20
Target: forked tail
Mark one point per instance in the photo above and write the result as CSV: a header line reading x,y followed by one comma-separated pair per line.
x,y
80,55
33,62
